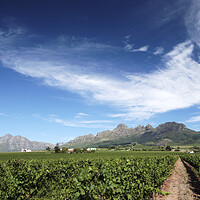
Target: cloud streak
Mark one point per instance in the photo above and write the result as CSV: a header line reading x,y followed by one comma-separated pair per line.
x,y
192,21
158,51
79,115
129,48
83,124
194,119
138,96
75,122
2,114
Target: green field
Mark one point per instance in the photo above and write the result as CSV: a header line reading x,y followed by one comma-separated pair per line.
x,y
100,175
192,159
97,154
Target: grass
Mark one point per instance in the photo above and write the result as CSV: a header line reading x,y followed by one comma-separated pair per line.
x,y
97,154
140,146
185,147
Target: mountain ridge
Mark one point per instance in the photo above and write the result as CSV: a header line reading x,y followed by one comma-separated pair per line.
x,y
169,132
12,143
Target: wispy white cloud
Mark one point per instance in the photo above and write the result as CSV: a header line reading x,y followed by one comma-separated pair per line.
x,y
168,11
129,47
36,115
194,119
141,49
82,114
2,114
192,21
158,51
84,124
127,37
74,122
79,115
138,96
95,121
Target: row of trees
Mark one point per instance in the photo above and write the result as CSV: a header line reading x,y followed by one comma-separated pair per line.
x,y
57,149
167,148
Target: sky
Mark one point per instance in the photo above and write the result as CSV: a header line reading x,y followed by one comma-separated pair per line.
x,y
71,67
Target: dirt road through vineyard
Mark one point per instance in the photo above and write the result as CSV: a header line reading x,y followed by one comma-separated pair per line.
x,y
182,184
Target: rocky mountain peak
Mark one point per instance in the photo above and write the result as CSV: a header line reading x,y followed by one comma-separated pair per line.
x,y
84,138
103,134
120,127
171,126
5,137
16,143
148,127
162,134
140,128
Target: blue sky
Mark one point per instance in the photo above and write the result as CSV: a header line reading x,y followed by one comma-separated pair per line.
x,y
73,67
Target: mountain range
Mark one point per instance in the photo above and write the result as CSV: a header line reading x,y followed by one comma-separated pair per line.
x,y
167,133
10,143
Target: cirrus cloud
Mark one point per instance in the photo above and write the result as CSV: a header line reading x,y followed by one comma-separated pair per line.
x,y
137,96
158,51
194,119
192,21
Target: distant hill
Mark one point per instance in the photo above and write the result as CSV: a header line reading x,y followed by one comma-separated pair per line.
x,y
10,143
169,132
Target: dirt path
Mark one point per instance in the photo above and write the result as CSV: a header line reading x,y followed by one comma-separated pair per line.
x,y
182,184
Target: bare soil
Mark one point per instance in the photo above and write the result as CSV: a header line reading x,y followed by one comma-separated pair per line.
x,y
183,184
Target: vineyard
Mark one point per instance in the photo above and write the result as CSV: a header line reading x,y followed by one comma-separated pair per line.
x,y
107,175
193,160
98,154
97,178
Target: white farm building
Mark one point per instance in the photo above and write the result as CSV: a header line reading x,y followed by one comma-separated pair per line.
x,y
25,150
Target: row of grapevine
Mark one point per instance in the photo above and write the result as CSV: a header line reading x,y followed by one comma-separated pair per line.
x,y
192,159
122,178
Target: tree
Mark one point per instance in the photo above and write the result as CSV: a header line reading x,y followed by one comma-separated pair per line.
x,y
48,148
84,150
117,148
111,147
177,149
77,150
57,148
168,148
134,143
64,150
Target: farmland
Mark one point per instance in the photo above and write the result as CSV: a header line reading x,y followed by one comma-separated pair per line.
x,y
193,160
98,154
99,175
104,174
